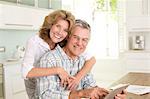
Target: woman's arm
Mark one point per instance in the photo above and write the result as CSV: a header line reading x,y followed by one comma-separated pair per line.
x,y
39,72
33,53
84,70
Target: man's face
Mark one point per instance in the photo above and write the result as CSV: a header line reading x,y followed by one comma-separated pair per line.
x,y
77,41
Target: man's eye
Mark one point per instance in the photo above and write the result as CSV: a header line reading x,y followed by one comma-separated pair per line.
x,y
66,31
76,37
85,40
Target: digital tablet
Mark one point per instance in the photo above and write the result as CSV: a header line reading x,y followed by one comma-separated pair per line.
x,y
116,90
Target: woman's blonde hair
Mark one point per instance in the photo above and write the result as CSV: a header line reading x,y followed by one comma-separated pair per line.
x,y
51,19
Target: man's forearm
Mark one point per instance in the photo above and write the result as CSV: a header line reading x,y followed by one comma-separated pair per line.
x,y
74,95
77,94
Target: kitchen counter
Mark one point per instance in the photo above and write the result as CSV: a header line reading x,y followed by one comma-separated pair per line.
x,y
3,64
9,62
135,78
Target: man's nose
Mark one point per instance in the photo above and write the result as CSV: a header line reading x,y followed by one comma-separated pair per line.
x,y
79,42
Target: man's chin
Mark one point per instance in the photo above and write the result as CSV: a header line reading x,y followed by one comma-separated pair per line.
x,y
77,54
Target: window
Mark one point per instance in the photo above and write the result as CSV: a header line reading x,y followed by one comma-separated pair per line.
x,y
108,29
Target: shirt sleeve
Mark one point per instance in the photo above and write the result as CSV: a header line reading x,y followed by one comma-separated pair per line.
x,y
88,81
28,60
51,94
87,55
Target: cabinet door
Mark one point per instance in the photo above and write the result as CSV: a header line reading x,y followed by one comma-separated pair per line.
x,y
138,24
27,2
137,62
44,4
56,4
137,12
39,15
135,8
14,87
15,17
21,17
13,1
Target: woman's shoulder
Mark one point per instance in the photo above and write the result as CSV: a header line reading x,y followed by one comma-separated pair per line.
x,y
34,38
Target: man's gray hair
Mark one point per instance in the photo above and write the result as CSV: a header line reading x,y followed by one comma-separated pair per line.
x,y
83,24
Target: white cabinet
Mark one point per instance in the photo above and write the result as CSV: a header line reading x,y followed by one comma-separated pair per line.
x,y
137,61
63,4
134,8
138,24
18,17
31,3
138,15
137,7
14,87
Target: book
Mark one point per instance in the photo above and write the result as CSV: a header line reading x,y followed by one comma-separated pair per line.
x,y
138,89
116,90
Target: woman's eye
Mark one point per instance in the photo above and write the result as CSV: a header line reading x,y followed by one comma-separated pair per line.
x,y
58,26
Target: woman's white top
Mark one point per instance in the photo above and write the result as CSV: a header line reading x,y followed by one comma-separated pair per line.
x,y
35,49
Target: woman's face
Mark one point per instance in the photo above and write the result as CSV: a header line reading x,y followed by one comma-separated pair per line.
x,y
59,31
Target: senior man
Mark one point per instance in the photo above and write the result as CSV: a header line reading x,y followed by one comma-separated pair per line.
x,y
70,58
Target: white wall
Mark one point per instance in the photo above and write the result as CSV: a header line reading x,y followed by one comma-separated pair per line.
x,y
107,71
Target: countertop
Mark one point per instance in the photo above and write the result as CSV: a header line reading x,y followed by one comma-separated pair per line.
x,y
135,78
9,62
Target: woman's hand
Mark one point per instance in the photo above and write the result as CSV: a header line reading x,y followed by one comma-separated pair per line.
x,y
64,76
73,83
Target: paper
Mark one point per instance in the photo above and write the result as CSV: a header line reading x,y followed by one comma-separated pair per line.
x,y
139,90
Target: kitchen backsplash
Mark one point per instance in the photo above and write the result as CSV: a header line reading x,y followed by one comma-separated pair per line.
x,y
11,38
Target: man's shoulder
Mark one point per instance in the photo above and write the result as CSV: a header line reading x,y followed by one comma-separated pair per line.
x,y
81,58
52,53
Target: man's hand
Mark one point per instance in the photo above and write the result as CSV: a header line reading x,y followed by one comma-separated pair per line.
x,y
98,93
122,95
92,93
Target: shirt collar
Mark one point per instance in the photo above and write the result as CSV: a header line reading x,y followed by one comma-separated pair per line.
x,y
65,56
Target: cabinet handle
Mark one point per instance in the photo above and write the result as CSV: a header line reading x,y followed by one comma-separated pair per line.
x,y
27,25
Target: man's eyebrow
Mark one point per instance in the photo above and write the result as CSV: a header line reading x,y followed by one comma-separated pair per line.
x,y
79,36
74,35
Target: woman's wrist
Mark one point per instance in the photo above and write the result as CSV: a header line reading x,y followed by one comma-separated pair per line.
x,y
79,76
58,70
